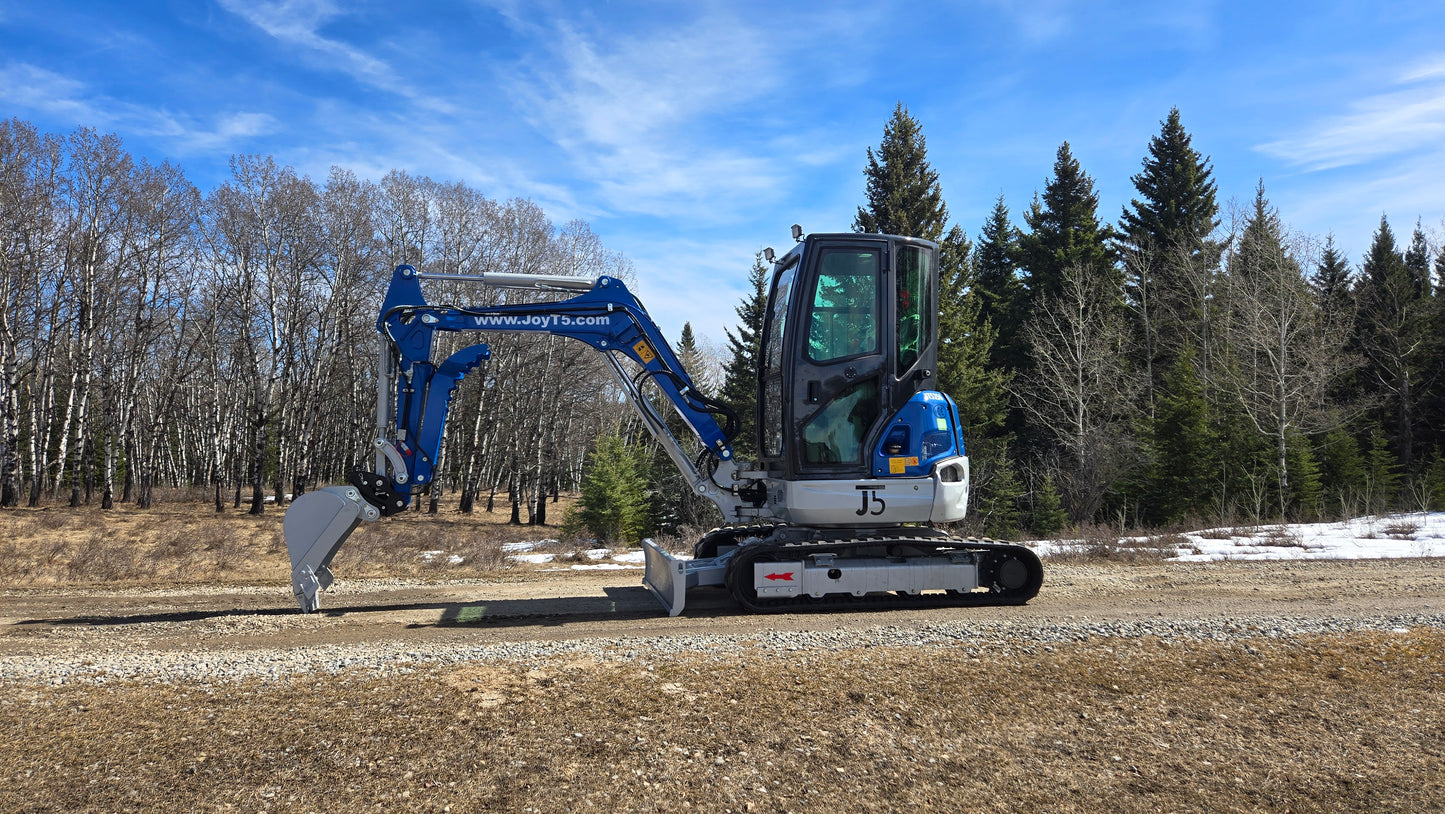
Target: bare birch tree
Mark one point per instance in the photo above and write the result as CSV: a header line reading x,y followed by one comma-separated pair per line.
x,y
1082,390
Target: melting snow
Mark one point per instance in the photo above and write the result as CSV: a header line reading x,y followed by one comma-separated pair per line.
x,y
1405,535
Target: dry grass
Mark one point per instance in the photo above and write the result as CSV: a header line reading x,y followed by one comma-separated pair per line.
x,y
1102,544
1323,724
1403,530
190,543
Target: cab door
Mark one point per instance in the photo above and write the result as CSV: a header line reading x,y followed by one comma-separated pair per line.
x,y
840,384
850,336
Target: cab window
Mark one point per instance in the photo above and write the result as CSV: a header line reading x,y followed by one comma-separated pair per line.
x,y
915,304
843,316
835,434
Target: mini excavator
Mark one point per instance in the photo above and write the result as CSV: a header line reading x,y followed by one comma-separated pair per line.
x,y
858,463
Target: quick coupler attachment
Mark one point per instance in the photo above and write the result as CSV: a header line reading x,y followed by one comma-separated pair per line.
x,y
315,527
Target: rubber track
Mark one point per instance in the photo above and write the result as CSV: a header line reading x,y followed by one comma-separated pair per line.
x,y
742,590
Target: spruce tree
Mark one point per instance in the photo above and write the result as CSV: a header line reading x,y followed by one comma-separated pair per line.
x,y
1382,474
1417,260
740,376
1164,241
1342,472
964,342
1178,207
691,357
1064,232
1047,517
981,391
1332,282
613,506
904,196
1001,295
1183,448
1391,333
1306,485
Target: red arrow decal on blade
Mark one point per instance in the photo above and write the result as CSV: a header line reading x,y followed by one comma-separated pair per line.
x,y
787,576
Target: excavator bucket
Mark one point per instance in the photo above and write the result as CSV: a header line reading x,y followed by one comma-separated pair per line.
x,y
315,527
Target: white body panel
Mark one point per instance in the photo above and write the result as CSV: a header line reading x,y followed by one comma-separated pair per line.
x,y
941,497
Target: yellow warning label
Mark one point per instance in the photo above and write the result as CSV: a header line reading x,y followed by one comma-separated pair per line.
x,y
897,466
644,352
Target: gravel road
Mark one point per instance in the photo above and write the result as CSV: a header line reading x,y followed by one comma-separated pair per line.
x,y
385,627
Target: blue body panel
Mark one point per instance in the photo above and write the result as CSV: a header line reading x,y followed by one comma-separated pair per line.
x,y
922,433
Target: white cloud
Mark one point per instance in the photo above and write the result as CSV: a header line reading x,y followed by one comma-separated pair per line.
x,y
1432,68
34,88
635,112
1393,123
31,88
298,23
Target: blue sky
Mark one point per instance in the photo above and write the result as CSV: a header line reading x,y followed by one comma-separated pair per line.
x,y
690,135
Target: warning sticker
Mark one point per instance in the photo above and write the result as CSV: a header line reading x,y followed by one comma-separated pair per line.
x,y
897,466
644,352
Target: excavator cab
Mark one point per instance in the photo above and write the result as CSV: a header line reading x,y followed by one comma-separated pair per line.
x,y
849,339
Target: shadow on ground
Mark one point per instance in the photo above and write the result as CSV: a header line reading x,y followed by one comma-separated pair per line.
x,y
634,602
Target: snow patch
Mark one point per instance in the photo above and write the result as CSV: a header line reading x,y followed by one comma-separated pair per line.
x,y
1416,534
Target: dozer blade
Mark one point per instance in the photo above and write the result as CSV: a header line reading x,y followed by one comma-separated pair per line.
x,y
666,577
669,578
315,527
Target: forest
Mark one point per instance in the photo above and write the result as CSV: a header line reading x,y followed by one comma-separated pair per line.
x,y
1186,364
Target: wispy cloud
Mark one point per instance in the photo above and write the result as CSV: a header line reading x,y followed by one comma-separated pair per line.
x,y
298,23
635,112
1393,123
30,88
34,88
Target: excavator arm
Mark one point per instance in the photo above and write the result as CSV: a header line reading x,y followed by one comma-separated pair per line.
x,y
414,394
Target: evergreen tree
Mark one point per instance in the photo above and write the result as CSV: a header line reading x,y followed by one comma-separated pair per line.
x,y
674,504
613,506
1306,485
1440,272
1047,517
1417,260
904,196
1183,448
964,342
692,359
1178,206
995,506
1064,232
1382,474
740,376
1164,241
1435,481
1332,281
1342,472
1391,333
981,391
1001,296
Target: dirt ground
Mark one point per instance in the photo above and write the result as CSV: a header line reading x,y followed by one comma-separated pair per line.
x,y
1288,688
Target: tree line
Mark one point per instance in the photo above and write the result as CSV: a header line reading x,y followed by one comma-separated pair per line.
x,y
152,333
1184,364
1187,363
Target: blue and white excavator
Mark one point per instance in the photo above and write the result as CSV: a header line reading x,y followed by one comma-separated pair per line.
x,y
858,458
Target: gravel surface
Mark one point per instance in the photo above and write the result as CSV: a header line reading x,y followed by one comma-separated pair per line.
x,y
187,634
397,657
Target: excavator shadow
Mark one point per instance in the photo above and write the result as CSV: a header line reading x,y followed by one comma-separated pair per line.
x,y
618,603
